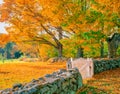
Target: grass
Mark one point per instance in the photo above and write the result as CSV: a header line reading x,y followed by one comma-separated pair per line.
x,y
9,61
107,82
22,72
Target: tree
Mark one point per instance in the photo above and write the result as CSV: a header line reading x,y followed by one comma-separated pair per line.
x,y
50,21
8,48
103,17
110,23
28,49
2,54
28,19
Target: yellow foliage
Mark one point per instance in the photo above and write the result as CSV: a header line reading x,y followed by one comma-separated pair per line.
x,y
22,72
43,50
4,39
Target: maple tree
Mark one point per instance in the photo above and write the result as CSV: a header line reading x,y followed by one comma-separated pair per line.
x,y
110,21
28,50
50,21
100,18
43,16
30,24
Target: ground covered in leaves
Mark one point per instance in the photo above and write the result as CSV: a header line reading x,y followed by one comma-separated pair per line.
x,y
22,72
107,82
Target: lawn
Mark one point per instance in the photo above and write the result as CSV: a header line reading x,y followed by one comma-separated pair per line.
x,y
21,72
107,82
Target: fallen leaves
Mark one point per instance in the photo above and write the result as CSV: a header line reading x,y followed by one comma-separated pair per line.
x,y
108,81
11,73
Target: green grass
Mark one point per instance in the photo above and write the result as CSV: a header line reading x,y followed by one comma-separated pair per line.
x,y
9,61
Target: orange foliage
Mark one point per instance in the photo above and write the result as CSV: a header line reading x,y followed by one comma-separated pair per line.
x,y
44,50
4,39
86,48
30,49
20,72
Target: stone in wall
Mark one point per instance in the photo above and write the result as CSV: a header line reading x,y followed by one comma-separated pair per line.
x,y
103,65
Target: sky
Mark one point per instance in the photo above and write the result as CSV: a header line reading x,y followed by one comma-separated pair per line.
x,y
2,25
2,28
1,1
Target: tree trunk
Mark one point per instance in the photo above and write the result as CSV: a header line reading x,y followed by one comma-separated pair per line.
x,y
60,32
102,49
111,49
80,52
60,46
60,49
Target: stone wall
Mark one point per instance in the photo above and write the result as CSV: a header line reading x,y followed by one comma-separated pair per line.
x,y
88,67
103,65
60,82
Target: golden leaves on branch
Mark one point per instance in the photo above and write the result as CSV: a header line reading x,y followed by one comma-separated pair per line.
x,y
4,38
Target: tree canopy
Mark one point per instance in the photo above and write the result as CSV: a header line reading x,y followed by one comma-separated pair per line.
x,y
61,23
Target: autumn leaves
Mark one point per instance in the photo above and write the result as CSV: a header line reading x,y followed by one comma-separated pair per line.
x,y
37,22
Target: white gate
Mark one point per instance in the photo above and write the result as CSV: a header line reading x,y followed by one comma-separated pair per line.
x,y
85,66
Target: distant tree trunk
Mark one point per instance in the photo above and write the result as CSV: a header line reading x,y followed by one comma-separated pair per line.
x,y
8,55
101,49
112,49
60,49
113,44
8,49
80,52
2,54
2,58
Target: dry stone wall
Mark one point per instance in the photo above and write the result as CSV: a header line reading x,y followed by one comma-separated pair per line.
x,y
88,67
103,65
60,82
